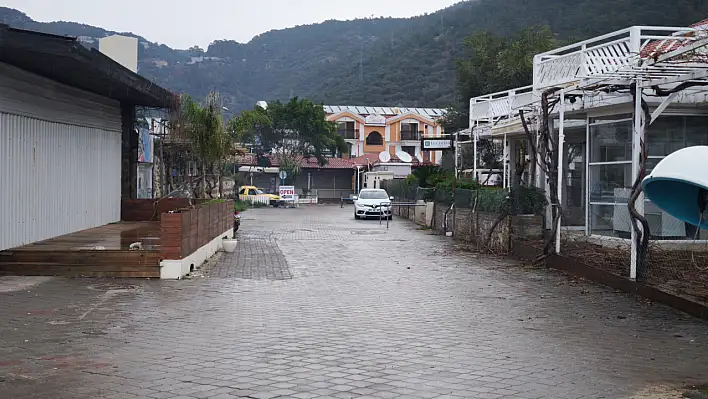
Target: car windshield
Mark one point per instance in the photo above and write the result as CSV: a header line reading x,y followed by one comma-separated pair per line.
x,y
378,194
259,191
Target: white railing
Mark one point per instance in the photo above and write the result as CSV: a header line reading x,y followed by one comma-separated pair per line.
x,y
255,199
501,105
615,56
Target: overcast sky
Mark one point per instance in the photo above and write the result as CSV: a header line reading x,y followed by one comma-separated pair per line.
x,y
184,23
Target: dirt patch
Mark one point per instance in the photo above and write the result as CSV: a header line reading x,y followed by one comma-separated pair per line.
x,y
659,392
671,271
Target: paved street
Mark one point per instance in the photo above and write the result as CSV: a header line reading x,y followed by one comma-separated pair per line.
x,y
316,304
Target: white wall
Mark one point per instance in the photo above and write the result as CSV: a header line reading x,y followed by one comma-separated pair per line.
x,y
122,49
60,159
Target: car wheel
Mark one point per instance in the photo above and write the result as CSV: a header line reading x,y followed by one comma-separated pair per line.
x,y
356,216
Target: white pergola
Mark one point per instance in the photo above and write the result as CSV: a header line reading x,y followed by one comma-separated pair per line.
x,y
669,59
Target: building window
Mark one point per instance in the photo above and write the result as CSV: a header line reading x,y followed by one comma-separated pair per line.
x,y
409,131
666,135
610,177
610,173
409,149
374,138
346,130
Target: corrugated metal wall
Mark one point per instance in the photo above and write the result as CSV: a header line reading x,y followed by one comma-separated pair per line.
x,y
60,163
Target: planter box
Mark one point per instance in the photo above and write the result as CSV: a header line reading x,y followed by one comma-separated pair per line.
x,y
192,236
144,210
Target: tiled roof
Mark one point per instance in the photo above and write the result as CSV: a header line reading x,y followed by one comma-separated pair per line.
x,y
658,47
305,163
384,111
332,163
373,159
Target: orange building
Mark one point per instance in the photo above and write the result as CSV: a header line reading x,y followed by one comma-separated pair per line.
x,y
371,130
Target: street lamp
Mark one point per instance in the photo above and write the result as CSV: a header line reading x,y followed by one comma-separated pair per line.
x,y
227,110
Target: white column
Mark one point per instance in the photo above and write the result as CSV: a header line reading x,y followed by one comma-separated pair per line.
x,y
559,184
505,163
457,154
637,138
539,179
586,180
474,152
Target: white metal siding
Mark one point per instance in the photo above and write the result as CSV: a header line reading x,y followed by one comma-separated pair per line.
x,y
60,163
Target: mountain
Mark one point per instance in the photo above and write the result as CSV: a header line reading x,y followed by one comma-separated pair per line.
x,y
383,61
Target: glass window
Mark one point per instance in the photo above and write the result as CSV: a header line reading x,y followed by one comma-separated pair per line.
x,y
610,172
574,185
373,194
611,118
374,138
608,183
611,142
410,150
666,135
696,130
610,220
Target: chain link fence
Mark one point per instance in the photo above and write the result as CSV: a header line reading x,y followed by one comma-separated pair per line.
x,y
677,258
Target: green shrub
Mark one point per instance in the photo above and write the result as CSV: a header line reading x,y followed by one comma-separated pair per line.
x,y
528,200
240,206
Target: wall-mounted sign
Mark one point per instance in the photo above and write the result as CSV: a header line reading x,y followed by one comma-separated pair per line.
x,y
483,132
374,119
436,144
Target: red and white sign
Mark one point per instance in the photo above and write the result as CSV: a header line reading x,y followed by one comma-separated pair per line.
x,y
287,193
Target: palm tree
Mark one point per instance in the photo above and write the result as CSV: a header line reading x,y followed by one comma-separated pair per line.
x,y
204,128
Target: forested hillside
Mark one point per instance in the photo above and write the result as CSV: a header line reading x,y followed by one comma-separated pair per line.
x,y
386,61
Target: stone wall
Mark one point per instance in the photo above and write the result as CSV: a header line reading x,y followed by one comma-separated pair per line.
x,y
475,227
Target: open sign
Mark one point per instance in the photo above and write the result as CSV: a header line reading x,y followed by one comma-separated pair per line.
x,y
286,193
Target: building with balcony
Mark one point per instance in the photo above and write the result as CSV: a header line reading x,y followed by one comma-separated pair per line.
x,y
372,130
607,96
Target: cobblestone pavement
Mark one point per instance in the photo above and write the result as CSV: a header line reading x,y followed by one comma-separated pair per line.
x,y
316,304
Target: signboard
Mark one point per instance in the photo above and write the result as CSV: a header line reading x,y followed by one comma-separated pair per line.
x,y
378,120
483,132
283,175
436,144
145,146
287,193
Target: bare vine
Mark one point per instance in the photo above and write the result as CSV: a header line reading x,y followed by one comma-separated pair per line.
x,y
544,150
641,233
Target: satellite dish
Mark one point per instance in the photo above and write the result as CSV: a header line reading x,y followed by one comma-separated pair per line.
x,y
384,156
679,185
404,156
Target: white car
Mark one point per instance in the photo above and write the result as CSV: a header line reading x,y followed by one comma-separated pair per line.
x,y
372,203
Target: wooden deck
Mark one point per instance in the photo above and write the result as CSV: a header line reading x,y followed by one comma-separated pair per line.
x,y
99,252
